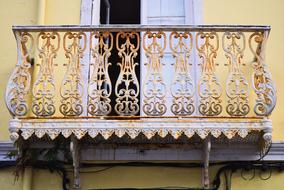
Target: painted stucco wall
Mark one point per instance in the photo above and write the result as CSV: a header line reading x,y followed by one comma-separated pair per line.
x,y
139,177
25,12
14,12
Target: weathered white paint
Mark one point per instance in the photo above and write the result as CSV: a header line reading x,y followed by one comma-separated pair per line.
x,y
96,12
178,12
194,14
86,19
185,152
86,12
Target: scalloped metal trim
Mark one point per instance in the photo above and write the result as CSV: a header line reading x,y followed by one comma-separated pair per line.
x,y
148,127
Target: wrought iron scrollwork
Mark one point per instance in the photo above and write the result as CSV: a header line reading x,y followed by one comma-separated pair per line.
x,y
209,87
182,86
154,87
127,84
71,89
20,81
262,80
100,88
32,89
236,84
44,87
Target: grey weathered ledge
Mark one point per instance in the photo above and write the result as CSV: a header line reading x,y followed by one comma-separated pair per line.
x,y
138,153
127,27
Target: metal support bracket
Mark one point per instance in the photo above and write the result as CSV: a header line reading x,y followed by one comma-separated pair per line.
x,y
75,151
205,169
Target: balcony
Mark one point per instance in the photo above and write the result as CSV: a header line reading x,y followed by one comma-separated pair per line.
x,y
141,82
191,86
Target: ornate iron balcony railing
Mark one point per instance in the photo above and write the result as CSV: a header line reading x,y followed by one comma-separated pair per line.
x,y
186,72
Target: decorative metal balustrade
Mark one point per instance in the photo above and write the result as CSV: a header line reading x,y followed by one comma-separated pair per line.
x,y
209,72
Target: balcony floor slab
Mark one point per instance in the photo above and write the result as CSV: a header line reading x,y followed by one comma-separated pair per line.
x,y
149,127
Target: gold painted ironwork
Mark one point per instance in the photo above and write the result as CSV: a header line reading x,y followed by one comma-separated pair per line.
x,y
209,87
71,90
127,84
20,81
100,87
48,44
154,87
236,84
182,86
43,44
262,81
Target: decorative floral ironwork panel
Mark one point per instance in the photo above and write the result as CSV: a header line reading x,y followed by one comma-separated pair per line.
x,y
154,87
209,86
100,88
71,90
127,84
48,44
236,84
182,86
20,81
262,81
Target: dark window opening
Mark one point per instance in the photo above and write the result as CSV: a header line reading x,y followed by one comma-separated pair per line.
x,y
121,12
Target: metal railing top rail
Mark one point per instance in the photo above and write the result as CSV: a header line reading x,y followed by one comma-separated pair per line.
x,y
123,27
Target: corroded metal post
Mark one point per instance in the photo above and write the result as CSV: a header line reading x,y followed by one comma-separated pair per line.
x,y
205,169
75,150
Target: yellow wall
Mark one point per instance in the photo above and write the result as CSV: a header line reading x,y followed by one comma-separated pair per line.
x,y
14,12
273,183
257,12
59,12
25,12
139,177
7,180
